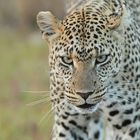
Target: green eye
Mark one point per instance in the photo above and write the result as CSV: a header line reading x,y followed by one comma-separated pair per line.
x,y
66,60
102,59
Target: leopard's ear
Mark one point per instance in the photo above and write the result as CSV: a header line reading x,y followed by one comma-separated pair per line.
x,y
49,25
115,17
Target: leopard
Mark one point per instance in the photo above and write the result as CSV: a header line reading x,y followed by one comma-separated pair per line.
x,y
94,62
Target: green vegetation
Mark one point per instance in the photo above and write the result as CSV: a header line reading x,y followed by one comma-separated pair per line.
x,y
23,67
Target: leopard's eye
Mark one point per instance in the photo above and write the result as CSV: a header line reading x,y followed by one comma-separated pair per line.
x,y
102,59
66,60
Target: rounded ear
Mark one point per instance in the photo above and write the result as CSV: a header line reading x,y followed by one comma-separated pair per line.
x,y
114,19
49,25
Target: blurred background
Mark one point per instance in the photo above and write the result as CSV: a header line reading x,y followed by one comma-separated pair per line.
x,y
24,70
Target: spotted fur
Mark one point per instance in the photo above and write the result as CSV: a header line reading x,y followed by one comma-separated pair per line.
x,y
95,70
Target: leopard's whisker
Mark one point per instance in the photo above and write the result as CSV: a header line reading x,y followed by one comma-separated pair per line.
x,y
44,100
48,113
29,91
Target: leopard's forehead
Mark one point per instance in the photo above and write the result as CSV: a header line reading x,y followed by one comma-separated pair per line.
x,y
85,25
85,32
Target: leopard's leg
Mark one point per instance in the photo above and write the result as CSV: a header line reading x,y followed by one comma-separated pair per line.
x,y
78,127
125,123
132,133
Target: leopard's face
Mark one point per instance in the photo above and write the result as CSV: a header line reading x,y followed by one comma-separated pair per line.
x,y
84,57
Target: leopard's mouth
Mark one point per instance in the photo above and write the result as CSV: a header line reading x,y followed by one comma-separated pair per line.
x,y
86,106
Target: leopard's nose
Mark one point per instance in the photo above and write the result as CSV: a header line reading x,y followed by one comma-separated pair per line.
x,y
84,95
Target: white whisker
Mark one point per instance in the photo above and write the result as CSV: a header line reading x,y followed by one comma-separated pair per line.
x,y
29,91
48,113
44,100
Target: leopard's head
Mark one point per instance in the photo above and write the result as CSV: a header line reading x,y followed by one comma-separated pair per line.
x,y
85,53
